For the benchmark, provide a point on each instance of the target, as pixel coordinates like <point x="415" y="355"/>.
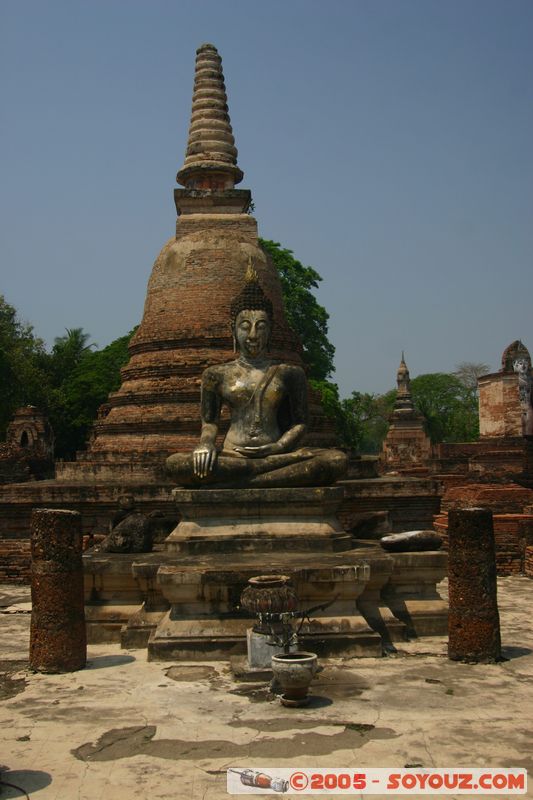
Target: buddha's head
<point x="251" y="330"/>
<point x="522" y="366"/>
<point x="252" y="317"/>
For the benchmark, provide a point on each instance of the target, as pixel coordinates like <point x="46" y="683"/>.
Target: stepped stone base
<point x="258" y="521"/>
<point x="187" y="606"/>
<point x="204" y="615"/>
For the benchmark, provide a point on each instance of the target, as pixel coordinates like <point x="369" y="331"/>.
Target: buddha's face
<point x="521" y="366"/>
<point x="252" y="332"/>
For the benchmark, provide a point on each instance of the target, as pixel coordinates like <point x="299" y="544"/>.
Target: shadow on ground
<point x="22" y="782"/>
<point x="103" y="662"/>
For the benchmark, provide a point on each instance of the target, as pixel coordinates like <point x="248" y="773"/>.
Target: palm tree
<point x="68" y="351"/>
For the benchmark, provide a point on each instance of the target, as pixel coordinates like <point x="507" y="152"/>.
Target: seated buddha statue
<point x="267" y="402"/>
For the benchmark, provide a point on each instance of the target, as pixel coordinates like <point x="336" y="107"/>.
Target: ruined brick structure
<point x="500" y="413"/>
<point x="473" y="620"/>
<point x="495" y="472"/>
<point x="407" y="448"/>
<point x="28" y="452"/>
<point x="512" y="519"/>
<point x="30" y="430"/>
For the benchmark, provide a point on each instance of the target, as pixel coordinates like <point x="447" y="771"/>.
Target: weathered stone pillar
<point x="473" y="621"/>
<point x="57" y="638"/>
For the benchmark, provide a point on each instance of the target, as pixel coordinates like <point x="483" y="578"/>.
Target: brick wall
<point x="499" y="405"/>
<point x="412" y="503"/>
<point x="513" y="535"/>
<point x="14" y="561"/>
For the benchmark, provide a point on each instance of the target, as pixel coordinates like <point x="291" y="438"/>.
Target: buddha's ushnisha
<point x="268" y="413"/>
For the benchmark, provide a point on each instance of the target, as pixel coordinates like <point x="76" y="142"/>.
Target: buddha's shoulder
<point x="292" y="372"/>
<point x="212" y="376"/>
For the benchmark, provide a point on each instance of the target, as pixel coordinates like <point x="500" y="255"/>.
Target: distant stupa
<point x="407" y="447"/>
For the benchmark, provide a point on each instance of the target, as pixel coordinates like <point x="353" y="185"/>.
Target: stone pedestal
<point x="411" y="592"/>
<point x="227" y="536"/>
<point x="260" y="649"/>
<point x="258" y="521"/>
<point x="188" y="606"/>
<point x="374" y="608"/>
<point x="122" y="602"/>
<point x="205" y="620"/>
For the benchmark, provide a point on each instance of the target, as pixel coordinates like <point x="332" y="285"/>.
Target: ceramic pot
<point x="294" y="672"/>
<point x="269" y="594"/>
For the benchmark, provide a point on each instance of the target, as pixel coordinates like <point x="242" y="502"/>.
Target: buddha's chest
<point x="253" y="388"/>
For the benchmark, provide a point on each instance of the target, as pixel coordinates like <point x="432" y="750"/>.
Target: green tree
<point x="361" y="420"/>
<point x="76" y="401"/>
<point x="305" y="315"/>
<point x="448" y="406"/>
<point x="67" y="352"/>
<point x="23" y="377"/>
<point x="367" y="420"/>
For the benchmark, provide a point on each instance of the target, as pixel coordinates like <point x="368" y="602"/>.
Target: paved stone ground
<point x="125" y="728"/>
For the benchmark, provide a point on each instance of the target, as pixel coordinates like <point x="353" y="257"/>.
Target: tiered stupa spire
<point x="404" y="401"/>
<point x="211" y="157"/>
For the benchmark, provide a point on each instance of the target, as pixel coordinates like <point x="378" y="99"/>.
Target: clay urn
<point x="294" y="673"/>
<point x="269" y="594"/>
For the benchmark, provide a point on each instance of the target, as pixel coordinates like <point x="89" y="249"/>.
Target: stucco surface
<point x="125" y="728"/>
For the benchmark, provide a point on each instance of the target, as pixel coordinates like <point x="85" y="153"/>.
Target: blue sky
<point x="388" y="143"/>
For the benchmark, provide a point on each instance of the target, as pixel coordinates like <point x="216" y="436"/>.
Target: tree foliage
<point x="69" y="383"/>
<point x="361" y="420"/>
<point x="469" y="371"/>
<point x="86" y="384"/>
<point x="67" y="352"/>
<point x="449" y="407"/>
<point x="368" y="419"/>
<point x="22" y="365"/>
<point x="305" y="315"/>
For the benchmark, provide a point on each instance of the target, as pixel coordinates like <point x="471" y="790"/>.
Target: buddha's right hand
<point x="204" y="459"/>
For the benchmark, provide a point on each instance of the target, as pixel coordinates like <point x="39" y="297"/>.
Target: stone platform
<point x="187" y="607"/>
<point x="182" y="601"/>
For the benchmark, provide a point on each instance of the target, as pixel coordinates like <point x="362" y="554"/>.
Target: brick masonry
<point x="14" y="560"/>
<point x="513" y="534"/>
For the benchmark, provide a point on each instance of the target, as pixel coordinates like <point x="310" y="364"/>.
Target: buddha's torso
<point x="253" y="395"/>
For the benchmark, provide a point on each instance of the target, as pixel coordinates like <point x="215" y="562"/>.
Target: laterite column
<point x="57" y="639"/>
<point x="473" y="621"/>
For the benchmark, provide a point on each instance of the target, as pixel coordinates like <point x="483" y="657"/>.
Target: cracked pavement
<point x="124" y="727"/>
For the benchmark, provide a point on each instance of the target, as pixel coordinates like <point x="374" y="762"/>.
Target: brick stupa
<point x="406" y="448"/>
<point x="186" y="321"/>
